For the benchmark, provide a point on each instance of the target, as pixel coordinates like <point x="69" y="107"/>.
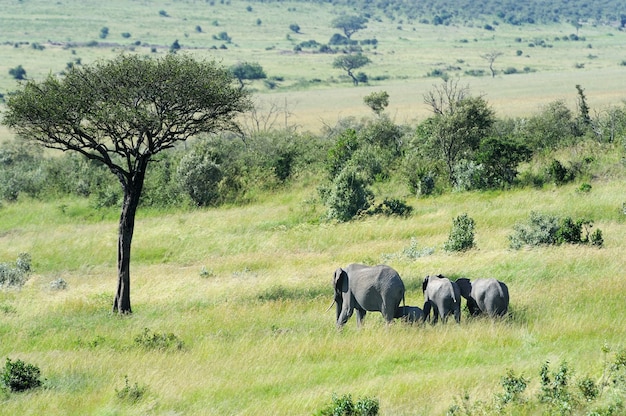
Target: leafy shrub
<point x="540" y="229"/>
<point x="347" y="196"/>
<point x="392" y="207"/>
<point x="15" y="275"/>
<point x="461" y="236"/>
<point x="559" y="173"/>
<point x="131" y="394"/>
<point x="499" y="158"/>
<point x="555" y="389"/>
<point x="345" y="406"/>
<point x="514" y="386"/>
<point x="158" y="341"/>
<point x="338" y="155"/>
<point x="468" y="175"/>
<point x="19" y="376"/>
<point x="544" y="229"/>
<point x="596" y="238"/>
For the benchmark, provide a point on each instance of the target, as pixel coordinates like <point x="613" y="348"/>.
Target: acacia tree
<point x="349" y="24"/>
<point x="491" y="58"/>
<point x="121" y="113"/>
<point x="351" y="62"/>
<point x="455" y="132"/>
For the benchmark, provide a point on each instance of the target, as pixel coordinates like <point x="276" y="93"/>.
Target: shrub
<point x="555" y="389"/>
<point x="158" y="341"/>
<point x="347" y="196"/>
<point x="131" y="394"/>
<point x="392" y="207"/>
<point x="19" y="376"/>
<point x="540" y="229"/>
<point x="544" y="229"/>
<point x="345" y="406"/>
<point x="15" y="275"/>
<point x="18" y="72"/>
<point x="461" y="236"/>
<point x="514" y="387"/>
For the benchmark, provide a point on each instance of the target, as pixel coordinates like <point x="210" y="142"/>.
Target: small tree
<point x="491" y="57"/>
<point x="247" y="71"/>
<point x="349" y="24"/>
<point x="295" y="28"/>
<point x="377" y="101"/>
<point x="123" y="112"/>
<point x="18" y="72"/>
<point x="351" y="62"/>
<point x="456" y="134"/>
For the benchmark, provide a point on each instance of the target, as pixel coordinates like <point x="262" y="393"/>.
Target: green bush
<point x="345" y="406"/>
<point x="347" y="196"/>
<point x="544" y="229"/>
<point x="15" y="275"/>
<point x="131" y="393"/>
<point x="391" y="207"/>
<point x="158" y="341"/>
<point x="461" y="236"/>
<point x="20" y="376"/>
<point x="540" y="229"/>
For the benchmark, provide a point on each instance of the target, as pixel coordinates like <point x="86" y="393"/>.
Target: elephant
<point x="486" y="295"/>
<point x="410" y="314"/>
<point x="367" y="288"/>
<point x="443" y="296"/>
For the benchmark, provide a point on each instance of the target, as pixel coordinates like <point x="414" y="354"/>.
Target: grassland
<point x="246" y="287"/>
<point x="314" y="91"/>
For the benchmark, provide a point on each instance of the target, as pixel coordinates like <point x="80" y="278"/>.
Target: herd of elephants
<point x="380" y="288"/>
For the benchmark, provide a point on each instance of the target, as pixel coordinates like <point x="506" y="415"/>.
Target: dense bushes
<point x="463" y="147"/>
<point x="544" y="229"/>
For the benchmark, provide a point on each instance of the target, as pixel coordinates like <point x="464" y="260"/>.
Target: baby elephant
<point x="443" y="297"/>
<point x="488" y="296"/>
<point x="410" y="314"/>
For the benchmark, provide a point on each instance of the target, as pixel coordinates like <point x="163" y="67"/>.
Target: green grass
<point x="255" y="332"/>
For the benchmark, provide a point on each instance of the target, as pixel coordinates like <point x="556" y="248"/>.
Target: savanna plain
<point x="244" y="289"/>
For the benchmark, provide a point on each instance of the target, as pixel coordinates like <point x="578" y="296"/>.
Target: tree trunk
<point x="132" y="193"/>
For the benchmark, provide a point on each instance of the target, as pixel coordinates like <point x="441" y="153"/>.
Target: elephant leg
<point x="435" y="314"/>
<point x="343" y="318"/>
<point x="457" y="315"/>
<point x="360" y="314"/>
<point x="426" y="309"/>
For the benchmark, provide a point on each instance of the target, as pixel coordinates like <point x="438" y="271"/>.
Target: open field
<point x="314" y="92"/>
<point x="246" y="289"/>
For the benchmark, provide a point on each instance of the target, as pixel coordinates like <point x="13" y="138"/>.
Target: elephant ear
<point x="425" y="283"/>
<point x="465" y="286"/>
<point x="340" y="280"/>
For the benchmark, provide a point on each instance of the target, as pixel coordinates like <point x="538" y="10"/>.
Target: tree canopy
<point x="121" y="113"/>
<point x="349" y="24"/>
<point x="351" y="62"/>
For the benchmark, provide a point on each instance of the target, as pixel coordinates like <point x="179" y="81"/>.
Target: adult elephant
<point x="367" y="288"/>
<point x="486" y="295"/>
<point x="442" y="296"/>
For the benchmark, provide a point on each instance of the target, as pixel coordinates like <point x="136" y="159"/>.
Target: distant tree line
<point x="445" y="12"/>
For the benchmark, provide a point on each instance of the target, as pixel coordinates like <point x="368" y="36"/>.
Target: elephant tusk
<point x="331" y="305"/>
